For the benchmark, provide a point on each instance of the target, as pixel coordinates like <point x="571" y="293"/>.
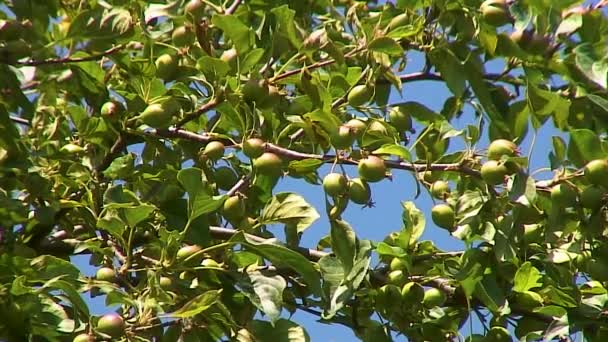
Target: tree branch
<point x="20" y="121"/>
<point x="65" y="60"/>
<point x="233" y="7"/>
<point x="202" y="110"/>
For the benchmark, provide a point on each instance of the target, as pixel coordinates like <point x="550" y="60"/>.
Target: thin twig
<point x="242" y="183"/>
<point x="20" y="121"/>
<point x="233" y="7"/>
<point x="202" y="110"/>
<point x="65" y="60"/>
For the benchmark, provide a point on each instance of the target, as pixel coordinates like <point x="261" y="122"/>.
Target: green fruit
<point x="357" y="127"/>
<point x="372" y="169"/>
<point x="397" y="277"/>
<point x="493" y="172"/>
<point x="592" y="198"/>
<point x="343" y="138"/>
<point x="268" y="164"/>
<point x="501" y="147"/>
<point x="398" y="264"/>
<point x="359" y="191"/>
<point x="111" y="324"/>
<point x="495" y="12"/>
<point x="335" y="184"/>
<point x="596" y="171"/>
<point x="412" y="293"/>
<point x="360" y="95"/>
<point x="229" y="56"/>
<point x="105" y="274"/>
<point x="440" y="189"/>
<point x="563" y="195"/>
<point x="111" y="109"/>
<point x="225" y="178"/>
<point x="443" y="216"/>
<point x="186" y="252"/>
<point x="71" y="149"/>
<point x="433" y="297"/>
<point x="400" y="119"/>
<point x="210" y="263"/>
<point x="498" y="334"/>
<point x="166" y="66"/>
<point x="246" y="223"/>
<point x="253" y="147"/>
<point x="538" y="45"/>
<point x="528" y="299"/>
<point x="156" y="116"/>
<point x="165" y="283"/>
<point x="255" y="90"/>
<point x="182" y="36"/>
<point x="234" y="209"/>
<point x="430" y="176"/>
<point x="195" y="8"/>
<point x="214" y="150"/>
<point x="84" y="338"/>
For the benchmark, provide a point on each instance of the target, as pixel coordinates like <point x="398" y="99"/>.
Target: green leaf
<point x="196" y="305"/>
<point x="289" y="208"/>
<point x="73" y="295"/>
<point x="413" y="223"/>
<point x="584" y="146"/>
<point x="268" y="293"/>
<point x="285" y="18"/>
<point x="241" y="35"/>
<point x="595" y="67"/>
<point x="138" y="214"/>
<point x="394" y="149"/>
<point x="204" y="205"/>
<point x="332" y="272"/>
<point x="212" y="67"/>
<point x="526" y="278"/>
<point x="305" y="165"/>
<point x="450" y="68"/>
<point x="386" y="45"/>
<point x="344" y="243"/>
<point x="192" y="180"/>
<point x="282" y="331"/>
<point x="121" y="167"/>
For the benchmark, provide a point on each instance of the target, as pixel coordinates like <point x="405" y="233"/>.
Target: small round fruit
<point x="214" y="150"/>
<point x="156" y="116"/>
<point x="183" y="36"/>
<point x="397" y="277"/>
<point x="165" y="283"/>
<point x="343" y="138"/>
<point x="440" y="189"/>
<point x="502" y="147"/>
<point x="208" y="262"/>
<point x="400" y="119"/>
<point x="166" y="66"/>
<point x="412" y="293"/>
<point x="592" y="198"/>
<point x="234" y="208"/>
<point x="84" y="338"/>
<point x="186" y="252"/>
<point x="498" y="334"/>
<point x="359" y="95"/>
<point x="359" y="191"/>
<point x="430" y="176"/>
<point x="399" y="20"/>
<point x="397" y="264"/>
<point x="563" y="195"/>
<point x="229" y="56"/>
<point x="495" y="12"/>
<point x="335" y="184"/>
<point x="493" y="172"/>
<point x="195" y="8"/>
<point x="268" y="164"/>
<point x="225" y="178"/>
<point x="106" y="274"/>
<point x="372" y="169"/>
<point x="111" y="109"/>
<point x="111" y="324"/>
<point x="433" y="297"/>
<point x="255" y="90"/>
<point x="253" y="147"/>
<point x="596" y="171"/>
<point x="443" y="216"/>
<point x="357" y="127"/>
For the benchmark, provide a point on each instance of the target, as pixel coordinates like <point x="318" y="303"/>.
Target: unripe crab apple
<point x="183" y="36"/>
<point x="563" y="195"/>
<point x="165" y="283"/>
<point x="84" y="338"/>
<point x="255" y="90"/>
<point x="268" y="164"/>
<point x="343" y="138"/>
<point x="359" y="95"/>
<point x="495" y="12"/>
<point x="253" y="147"/>
<point x="105" y="274"/>
<point x="234" y="209"/>
<point x="335" y="184"/>
<point x="443" y="216"/>
<point x="214" y="150"/>
<point x="359" y="191"/>
<point x="592" y="198"/>
<point x="493" y="172"/>
<point x="502" y="147"/>
<point x="111" y="109"/>
<point x="111" y="324"/>
<point x="433" y="297"/>
<point x="440" y="189"/>
<point x="596" y="171"/>
<point x="357" y="127"/>
<point x="187" y="251"/>
<point x="166" y="66"/>
<point x="195" y="8"/>
<point x="400" y="119"/>
<point x="372" y="169"/>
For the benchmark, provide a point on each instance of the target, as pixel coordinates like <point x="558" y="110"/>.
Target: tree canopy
<point x="151" y="136"/>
